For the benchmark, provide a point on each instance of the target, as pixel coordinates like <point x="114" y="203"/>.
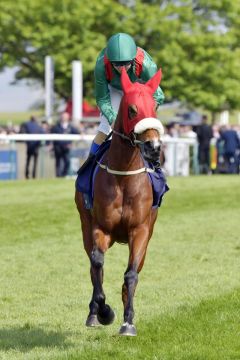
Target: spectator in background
<point x="45" y="126"/>
<point x="204" y="135"/>
<point x="172" y="129"/>
<point x="186" y="131"/>
<point x="231" y="146"/>
<point x="32" y="127"/>
<point x="62" y="148"/>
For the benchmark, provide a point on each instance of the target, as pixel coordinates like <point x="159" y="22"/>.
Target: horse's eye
<point x="132" y="111"/>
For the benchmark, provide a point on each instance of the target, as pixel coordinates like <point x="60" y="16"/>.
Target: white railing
<point x="78" y="137"/>
<point x="45" y="137"/>
<point x="178" y="157"/>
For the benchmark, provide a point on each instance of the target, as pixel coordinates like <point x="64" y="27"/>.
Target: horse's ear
<point x="154" y="82"/>
<point x="125" y="81"/>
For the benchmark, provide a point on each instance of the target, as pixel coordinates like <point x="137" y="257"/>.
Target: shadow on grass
<point x="26" y="338"/>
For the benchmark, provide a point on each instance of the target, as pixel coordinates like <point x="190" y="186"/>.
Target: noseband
<point x="147" y="150"/>
<point x="132" y="139"/>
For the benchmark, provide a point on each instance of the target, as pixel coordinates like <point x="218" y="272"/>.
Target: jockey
<point x="121" y="51"/>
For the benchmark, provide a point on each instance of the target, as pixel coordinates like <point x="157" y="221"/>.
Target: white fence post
<point x="49" y="88"/>
<point x="77" y="91"/>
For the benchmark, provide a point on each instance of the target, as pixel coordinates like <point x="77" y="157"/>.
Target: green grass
<point x="187" y="302"/>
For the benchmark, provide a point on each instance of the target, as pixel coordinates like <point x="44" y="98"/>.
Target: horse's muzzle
<point x="150" y="150"/>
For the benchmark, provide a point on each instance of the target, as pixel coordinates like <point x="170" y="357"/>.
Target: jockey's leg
<point x="104" y="127"/>
<point x="98" y="140"/>
<point x="103" y="130"/>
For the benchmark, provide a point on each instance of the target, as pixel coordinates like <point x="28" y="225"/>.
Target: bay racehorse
<point x="122" y="209"/>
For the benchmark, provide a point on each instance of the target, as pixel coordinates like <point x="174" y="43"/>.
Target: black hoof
<point x="106" y="315"/>
<point x="92" y="321"/>
<point x="128" y="330"/>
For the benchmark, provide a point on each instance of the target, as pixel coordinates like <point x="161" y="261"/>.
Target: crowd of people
<point x="218" y="146"/>
<point x="60" y="148"/>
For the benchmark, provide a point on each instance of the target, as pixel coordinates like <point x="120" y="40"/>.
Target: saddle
<point x="86" y="175"/>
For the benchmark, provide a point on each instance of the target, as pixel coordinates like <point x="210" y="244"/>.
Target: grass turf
<point x="187" y="302"/>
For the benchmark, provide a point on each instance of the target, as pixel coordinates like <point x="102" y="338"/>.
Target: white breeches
<point x="115" y="96"/>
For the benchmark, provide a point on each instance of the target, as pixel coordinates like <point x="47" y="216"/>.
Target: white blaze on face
<point x="155" y="143"/>
<point x="149" y="123"/>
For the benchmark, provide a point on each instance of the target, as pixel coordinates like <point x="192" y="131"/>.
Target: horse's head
<point x="138" y="109"/>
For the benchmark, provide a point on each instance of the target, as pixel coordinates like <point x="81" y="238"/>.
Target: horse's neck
<point x="122" y="154"/>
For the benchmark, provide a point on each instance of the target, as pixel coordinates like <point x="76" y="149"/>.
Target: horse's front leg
<point x="105" y="314"/>
<point x="86" y="221"/>
<point x="137" y="251"/>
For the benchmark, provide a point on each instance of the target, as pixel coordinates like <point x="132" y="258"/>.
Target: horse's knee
<point x="97" y="258"/>
<point x="131" y="278"/>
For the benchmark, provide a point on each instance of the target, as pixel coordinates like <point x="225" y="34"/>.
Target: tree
<point x="65" y="29"/>
<point x="197" y="45"/>
<point x="214" y="48"/>
<point x="195" y="42"/>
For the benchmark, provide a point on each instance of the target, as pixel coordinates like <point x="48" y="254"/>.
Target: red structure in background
<point x="88" y="110"/>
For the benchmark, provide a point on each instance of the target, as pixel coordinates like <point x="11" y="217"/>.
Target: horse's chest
<point x="124" y="204"/>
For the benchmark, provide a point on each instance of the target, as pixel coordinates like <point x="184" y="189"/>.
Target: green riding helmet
<point x="121" y="48"/>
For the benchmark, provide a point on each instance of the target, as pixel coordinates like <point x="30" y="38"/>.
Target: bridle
<point x="134" y="142"/>
<point x="132" y="138"/>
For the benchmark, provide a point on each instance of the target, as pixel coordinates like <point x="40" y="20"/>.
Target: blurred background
<point x="196" y="43"/>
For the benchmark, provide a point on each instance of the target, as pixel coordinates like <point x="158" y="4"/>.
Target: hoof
<point x="92" y="321"/>
<point x="106" y="316"/>
<point x="128" y="330"/>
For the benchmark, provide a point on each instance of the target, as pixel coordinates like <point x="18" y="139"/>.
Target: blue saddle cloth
<point x="85" y="179"/>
